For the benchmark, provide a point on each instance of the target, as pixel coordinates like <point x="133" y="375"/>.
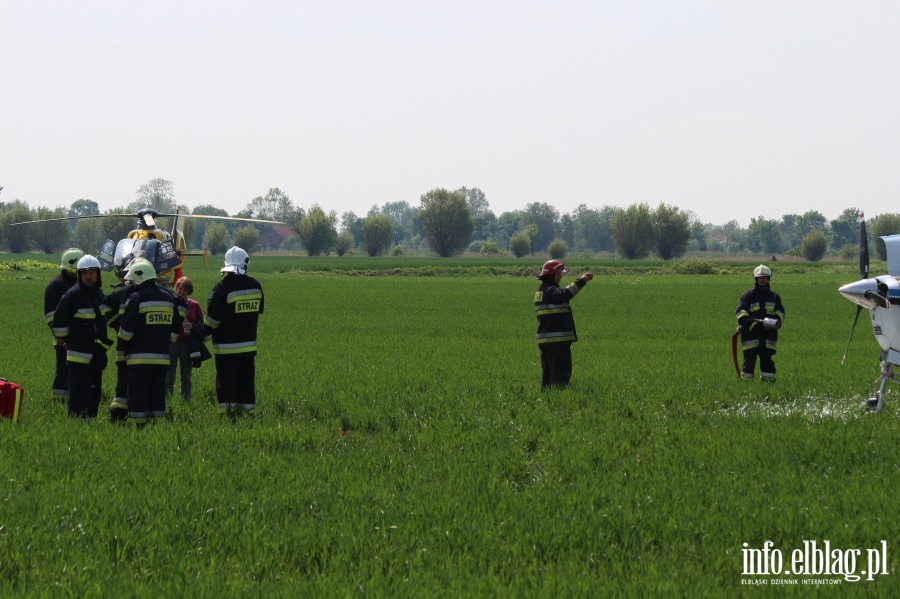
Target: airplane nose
<point x="861" y="292"/>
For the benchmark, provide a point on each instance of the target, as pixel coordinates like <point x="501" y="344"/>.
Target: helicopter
<point x="881" y="296"/>
<point x="164" y="249"/>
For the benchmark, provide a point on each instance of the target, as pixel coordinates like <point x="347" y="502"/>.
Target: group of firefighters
<point x="154" y="329"/>
<point x="759" y="314"/>
<point x="148" y="319"/>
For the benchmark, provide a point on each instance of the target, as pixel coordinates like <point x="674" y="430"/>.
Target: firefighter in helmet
<point x="760" y="314"/>
<point x="556" y="326"/>
<point x="115" y="304"/>
<point x="149" y="324"/>
<point x="54" y="291"/>
<point x="78" y="321"/>
<point x="232" y="315"/>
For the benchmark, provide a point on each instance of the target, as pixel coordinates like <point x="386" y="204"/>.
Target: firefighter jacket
<point x="54" y="292"/>
<point x="551" y="304"/>
<point x="232" y="313"/>
<point x="759" y="303"/>
<point x="149" y="324"/>
<point x="115" y="305"/>
<point x="76" y="321"/>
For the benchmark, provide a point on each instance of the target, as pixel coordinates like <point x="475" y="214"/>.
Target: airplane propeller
<point x="863" y="275"/>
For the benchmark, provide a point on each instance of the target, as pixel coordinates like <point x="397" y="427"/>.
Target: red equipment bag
<point x="11" y="396"/>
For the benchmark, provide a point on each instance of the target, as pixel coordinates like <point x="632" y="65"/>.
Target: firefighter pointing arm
<point x="556" y="325"/>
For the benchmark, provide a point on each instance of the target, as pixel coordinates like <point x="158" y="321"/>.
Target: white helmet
<point x="88" y="262"/>
<point x="762" y="271"/>
<point x="236" y="261"/>
<point x="140" y="271"/>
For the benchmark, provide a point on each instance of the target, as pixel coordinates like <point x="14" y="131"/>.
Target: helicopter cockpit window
<point x="124" y="253"/>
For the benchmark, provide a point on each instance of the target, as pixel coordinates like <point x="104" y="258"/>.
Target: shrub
<point x="814" y="245"/>
<point x="848" y="251"/>
<point x="520" y="244"/>
<point x="694" y="267"/>
<point x="557" y="249"/>
<point x="490" y="247"/>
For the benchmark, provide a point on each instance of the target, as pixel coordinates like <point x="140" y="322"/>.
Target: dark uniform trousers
<point x="85" y="388"/>
<point x="556" y="364"/>
<point x="146" y="392"/>
<point x="236" y="381"/>
<point x="61" y="375"/>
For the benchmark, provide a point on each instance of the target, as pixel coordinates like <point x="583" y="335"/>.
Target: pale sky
<point x="730" y="109"/>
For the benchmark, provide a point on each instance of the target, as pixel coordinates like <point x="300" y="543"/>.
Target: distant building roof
<point x="275" y="235"/>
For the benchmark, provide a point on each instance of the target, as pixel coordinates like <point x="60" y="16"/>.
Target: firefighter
<point x="56" y="288"/>
<point x="760" y="314"/>
<point x="78" y="322"/>
<point x="149" y="324"/>
<point x="556" y="326"/>
<point x="232" y="314"/>
<point x="115" y="304"/>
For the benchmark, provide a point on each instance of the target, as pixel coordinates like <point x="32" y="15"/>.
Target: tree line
<point x="447" y="223"/>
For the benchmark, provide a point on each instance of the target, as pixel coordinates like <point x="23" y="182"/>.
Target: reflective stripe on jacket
<point x="232" y="314"/>
<point x="551" y="305"/>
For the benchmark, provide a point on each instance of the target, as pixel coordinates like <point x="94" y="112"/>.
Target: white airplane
<point x="881" y="296"/>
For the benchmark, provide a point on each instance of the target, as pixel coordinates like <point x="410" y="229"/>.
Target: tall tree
<point x="200" y="224"/>
<point x="87" y="235"/>
<point x="593" y="228"/>
<point x="812" y="220"/>
<point x="247" y="238"/>
<point x="404" y="219"/>
<point x="699" y="234"/>
<point x="51" y="236"/>
<point x="216" y="238"/>
<point x="671" y="231"/>
<point x="352" y="224"/>
<point x="317" y="230"/>
<point x="482" y="217"/>
<point x="505" y="227"/>
<point x="763" y="235"/>
<point x="845" y="228"/>
<point x="84" y="207"/>
<point x="475" y="200"/>
<point x="446" y="220"/>
<point x="16" y="239"/>
<point x="546" y="217"/>
<point x="158" y="194"/>
<point x="275" y="205"/>
<point x="377" y="234"/>
<point x="632" y="230"/>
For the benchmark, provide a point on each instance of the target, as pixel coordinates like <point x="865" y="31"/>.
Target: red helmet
<point x="551" y="267"/>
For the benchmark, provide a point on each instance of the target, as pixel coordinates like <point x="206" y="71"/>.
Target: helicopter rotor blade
<point x="50" y="220"/>
<point x="847" y="349"/>
<point x="249" y="220"/>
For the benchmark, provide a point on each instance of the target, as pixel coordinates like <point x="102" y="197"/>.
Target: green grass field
<point x="457" y="476"/>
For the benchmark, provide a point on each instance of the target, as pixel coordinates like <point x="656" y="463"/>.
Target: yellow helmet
<point x="70" y="259"/>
